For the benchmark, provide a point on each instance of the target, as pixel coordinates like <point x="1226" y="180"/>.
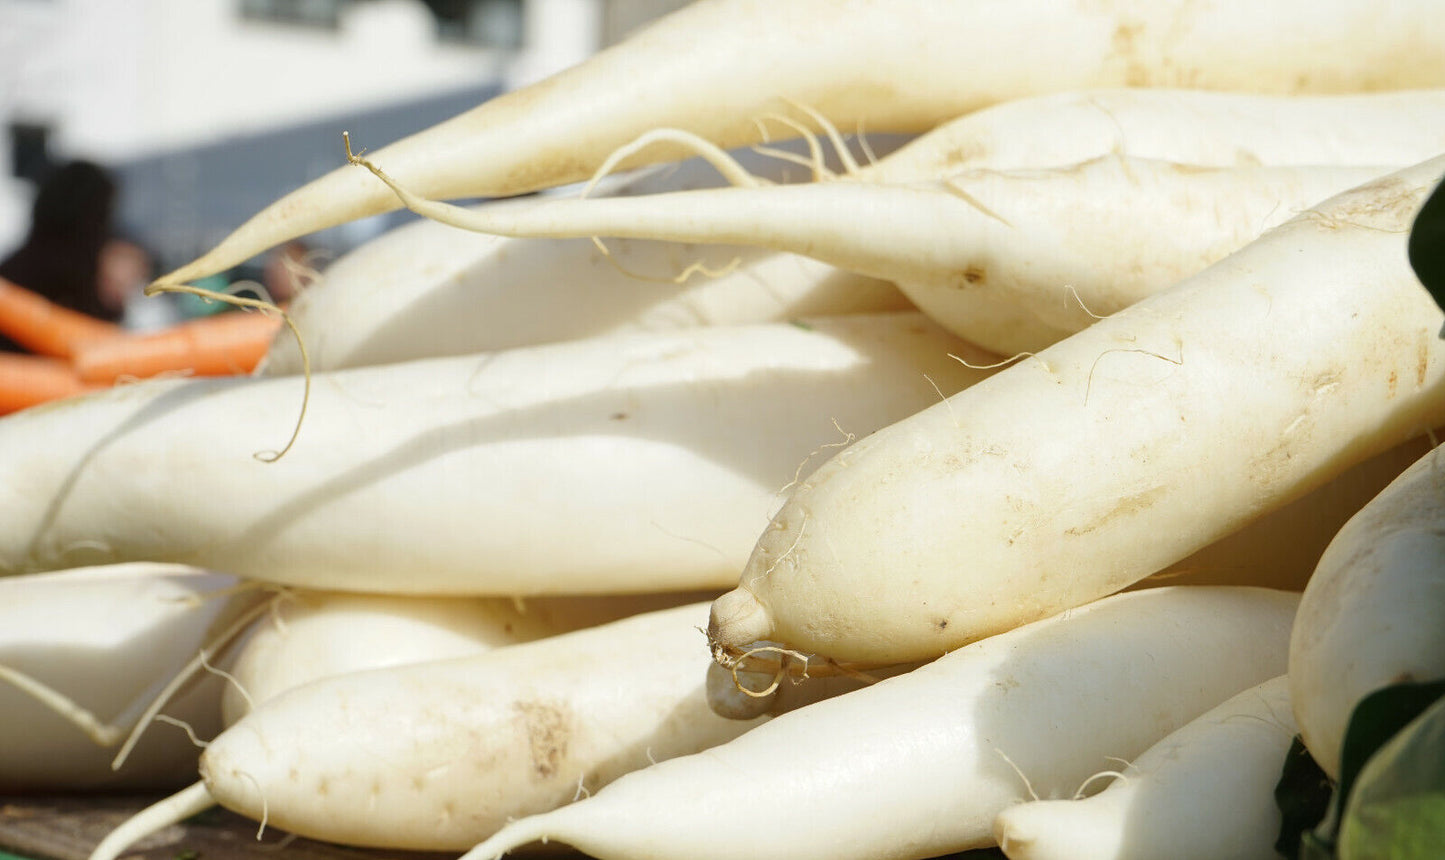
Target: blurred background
<point x="204" y="111"/>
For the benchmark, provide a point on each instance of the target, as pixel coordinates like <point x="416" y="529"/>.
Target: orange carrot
<point x="222" y="345"/>
<point x="41" y="326"/>
<point x="28" y="380"/>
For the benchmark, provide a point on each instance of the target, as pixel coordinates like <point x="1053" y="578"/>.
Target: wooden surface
<point x="68" y="828"/>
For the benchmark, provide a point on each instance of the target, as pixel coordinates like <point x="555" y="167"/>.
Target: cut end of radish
<point x="737" y="620"/>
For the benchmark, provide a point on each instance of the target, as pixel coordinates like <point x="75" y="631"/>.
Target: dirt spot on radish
<point x="548" y="726"/>
<point x="975" y="274"/>
<point x="1123" y="508"/>
<point x="1386" y="205"/>
<point x="1124" y="44"/>
<point x="965" y="154"/>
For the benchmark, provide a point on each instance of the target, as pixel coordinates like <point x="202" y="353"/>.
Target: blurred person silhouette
<point x="126" y="267"/>
<point x="70" y="223"/>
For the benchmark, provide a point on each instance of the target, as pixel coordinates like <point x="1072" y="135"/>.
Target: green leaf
<point x="1376" y="719"/>
<point x="1405" y="828"/>
<point x="1427" y="246"/>
<point x="1397" y="806"/>
<point x="1303" y="797"/>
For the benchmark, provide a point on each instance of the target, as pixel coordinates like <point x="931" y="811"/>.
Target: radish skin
<point x="1012" y="261"/>
<point x="1192" y="412"/>
<point x="1200" y="127"/>
<point x="428" y="290"/>
<point x="714" y="67"/>
<point x="1280" y="549"/>
<point x="918" y="765"/>
<point x="1206" y="791"/>
<point x="425" y="289"/>
<point x="107" y="638"/>
<point x="636" y="463"/>
<point x="318" y="634"/>
<point x="1370" y="616"/>
<point x="452" y="749"/>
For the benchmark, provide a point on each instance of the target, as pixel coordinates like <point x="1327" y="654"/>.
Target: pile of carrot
<point x="72" y="353"/>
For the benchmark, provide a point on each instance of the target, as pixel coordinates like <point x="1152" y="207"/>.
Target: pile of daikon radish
<point x="1057" y="406"/>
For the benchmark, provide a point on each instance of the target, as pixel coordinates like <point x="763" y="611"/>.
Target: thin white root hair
<point x="303" y="273"/>
<point x="230" y="679"/>
<point x="1089" y="384"/>
<point x="807" y="665"/>
<point x="815" y="160"/>
<point x="1274" y="722"/>
<point x="679" y="279"/>
<point x="997" y="364"/>
<point x="1119" y="147"/>
<point x="840" y="147"/>
<point x="191" y="667"/>
<point x="946" y="401"/>
<point x="778" y="674"/>
<point x="230" y="591"/>
<point x="1010" y="762"/>
<point x="1080" y="300"/>
<point x="185" y="727"/>
<point x="725" y="164"/>
<point x="819" y="174"/>
<point x="1084" y="786"/>
<point x="789" y="551"/>
<point x="581" y="793"/>
<point x="191" y="800"/>
<point x="862" y="137"/>
<point x="951" y="186"/>
<point x="267" y="307"/>
<point x="103" y="734"/>
<point x="848" y="439"/>
<point x="265" y="806"/>
<point x="277" y="619"/>
<point x="701" y="268"/>
<point x="235" y="288"/>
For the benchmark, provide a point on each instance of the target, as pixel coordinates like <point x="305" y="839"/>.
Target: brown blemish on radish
<point x="1123" y="508"/>
<point x="548" y="726"/>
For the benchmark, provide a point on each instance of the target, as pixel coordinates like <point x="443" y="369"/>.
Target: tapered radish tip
<point x="738" y="619"/>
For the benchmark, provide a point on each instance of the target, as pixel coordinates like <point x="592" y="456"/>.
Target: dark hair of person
<point x="70" y="221"/>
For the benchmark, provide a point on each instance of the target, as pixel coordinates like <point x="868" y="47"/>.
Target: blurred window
<point x="486" y="23"/>
<point x="313" y="13"/>
<point x="29" y="150"/>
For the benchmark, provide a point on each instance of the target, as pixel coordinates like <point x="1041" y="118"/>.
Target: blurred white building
<point x="208" y="109"/>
